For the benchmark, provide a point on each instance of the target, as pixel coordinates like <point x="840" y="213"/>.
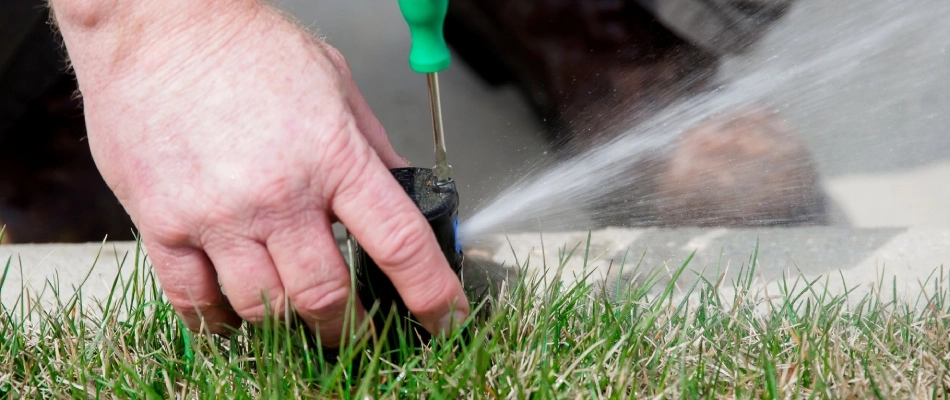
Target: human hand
<point x="234" y="140"/>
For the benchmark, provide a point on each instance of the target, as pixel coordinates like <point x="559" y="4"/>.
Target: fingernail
<point x="452" y="321"/>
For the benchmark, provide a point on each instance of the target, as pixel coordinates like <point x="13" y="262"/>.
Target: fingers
<point x="395" y="234"/>
<point x="191" y="286"/>
<point x="315" y="276"/>
<point x="248" y="276"/>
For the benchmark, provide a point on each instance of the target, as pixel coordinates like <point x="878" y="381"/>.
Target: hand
<point x="234" y="140"/>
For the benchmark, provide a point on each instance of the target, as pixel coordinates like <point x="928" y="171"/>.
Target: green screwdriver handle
<point x="429" y="53"/>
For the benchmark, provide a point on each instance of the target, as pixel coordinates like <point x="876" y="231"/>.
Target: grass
<point x="561" y="341"/>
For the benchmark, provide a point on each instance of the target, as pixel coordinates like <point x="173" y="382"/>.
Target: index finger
<point x="392" y="230"/>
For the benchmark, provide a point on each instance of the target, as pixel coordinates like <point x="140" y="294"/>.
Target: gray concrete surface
<point x="902" y="259"/>
<point x="888" y="118"/>
<point x="887" y="264"/>
<point x="39" y="271"/>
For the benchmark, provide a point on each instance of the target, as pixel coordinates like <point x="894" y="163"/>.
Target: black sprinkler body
<point x="438" y="202"/>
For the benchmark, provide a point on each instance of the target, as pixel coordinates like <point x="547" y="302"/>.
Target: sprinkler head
<point x="438" y="202"/>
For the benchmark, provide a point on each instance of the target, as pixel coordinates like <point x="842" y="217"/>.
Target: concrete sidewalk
<point x="900" y="258"/>
<point x="38" y="269"/>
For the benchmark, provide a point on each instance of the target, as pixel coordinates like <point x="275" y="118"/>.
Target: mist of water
<point x="788" y="81"/>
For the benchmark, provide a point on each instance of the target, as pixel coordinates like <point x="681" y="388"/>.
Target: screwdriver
<point x="429" y="55"/>
<point x="431" y="189"/>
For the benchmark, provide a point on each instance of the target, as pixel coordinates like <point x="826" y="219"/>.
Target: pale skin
<point x="234" y="140"/>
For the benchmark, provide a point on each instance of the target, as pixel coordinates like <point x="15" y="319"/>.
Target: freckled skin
<point x="234" y="140"/>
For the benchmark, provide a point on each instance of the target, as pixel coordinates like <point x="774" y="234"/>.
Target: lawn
<point x="645" y="340"/>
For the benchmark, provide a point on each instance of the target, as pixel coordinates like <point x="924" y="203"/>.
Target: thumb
<point x="372" y="130"/>
<point x="366" y="121"/>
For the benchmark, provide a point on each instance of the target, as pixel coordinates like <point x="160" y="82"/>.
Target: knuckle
<point x="342" y="138"/>
<point x="343" y="165"/>
<point x="404" y="248"/>
<point x="164" y="228"/>
<point x="338" y="61"/>
<point x="220" y="214"/>
<point x="434" y="298"/>
<point x="180" y="303"/>
<point x="254" y="314"/>
<point x="173" y="223"/>
<point x="256" y="310"/>
<point x="190" y="304"/>
<point x="280" y="200"/>
<point x="322" y="301"/>
<point x="274" y="193"/>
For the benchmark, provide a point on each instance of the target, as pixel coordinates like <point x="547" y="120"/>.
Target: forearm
<point x="104" y="38"/>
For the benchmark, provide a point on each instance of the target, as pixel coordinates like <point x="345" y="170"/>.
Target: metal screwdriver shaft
<point x="442" y="170"/>
<point x="429" y="55"/>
